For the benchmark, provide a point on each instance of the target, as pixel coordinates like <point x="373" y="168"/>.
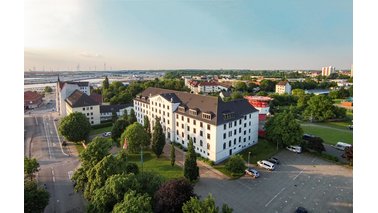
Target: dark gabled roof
<point x="111" y="108"/>
<point x="205" y="104"/>
<point x="96" y="97"/>
<point x="80" y="99"/>
<point x="31" y="96"/>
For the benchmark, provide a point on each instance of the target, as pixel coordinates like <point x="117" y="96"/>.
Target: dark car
<point x="308" y="136"/>
<point x="273" y="160"/>
<point x="300" y="210"/>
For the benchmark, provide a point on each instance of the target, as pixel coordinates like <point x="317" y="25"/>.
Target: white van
<point x="266" y="164"/>
<point x="341" y="145"/>
<point x="296" y="149"/>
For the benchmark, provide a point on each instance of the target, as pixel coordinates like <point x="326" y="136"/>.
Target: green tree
<point x="48" y="89"/>
<point x="173" y="155"/>
<point x="191" y="170"/>
<point x="149" y="182"/>
<point x="348" y="153"/>
<point x="283" y="129"/>
<point x="241" y="86"/>
<point x="205" y="206"/>
<point x="320" y="108"/>
<point x="114" y="116"/>
<point x="30" y="167"/>
<point x="75" y="127"/>
<point x="132" y="117"/>
<point x="146" y="124"/>
<point x="136" y="138"/>
<point x="134" y="203"/>
<point x="118" y="128"/>
<point x="172" y="195"/>
<point x="316" y="144"/>
<point x="235" y="164"/>
<point x="267" y="85"/>
<point x="95" y="151"/>
<point x="158" y="138"/>
<point x="297" y="92"/>
<point x="236" y="95"/>
<point x="105" y="83"/>
<point x="35" y="198"/>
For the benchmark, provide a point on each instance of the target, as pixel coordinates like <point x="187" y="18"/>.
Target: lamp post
<point x="249" y="153"/>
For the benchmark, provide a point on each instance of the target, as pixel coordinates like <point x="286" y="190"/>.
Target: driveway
<point x="300" y="180"/>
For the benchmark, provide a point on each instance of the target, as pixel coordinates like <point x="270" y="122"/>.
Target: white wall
<point x="91" y="112"/>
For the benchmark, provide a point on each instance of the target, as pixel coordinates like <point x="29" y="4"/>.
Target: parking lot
<point x="299" y="180"/>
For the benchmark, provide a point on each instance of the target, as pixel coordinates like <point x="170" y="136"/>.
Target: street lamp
<point x="249" y="153"/>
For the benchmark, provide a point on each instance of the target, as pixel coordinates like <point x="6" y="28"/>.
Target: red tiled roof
<point x="205" y="83"/>
<point x="96" y="97"/>
<point x="31" y="96"/>
<point x="282" y="83"/>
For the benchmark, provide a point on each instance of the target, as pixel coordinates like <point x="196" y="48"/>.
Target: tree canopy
<point x="134" y="203"/>
<point x="235" y="164"/>
<point x="35" y="198"/>
<point x="136" y="138"/>
<point x="191" y="170"/>
<point x="321" y="108"/>
<point x="158" y="138"/>
<point x="118" y="128"/>
<point x="283" y="129"/>
<point x="30" y="167"/>
<point x="205" y="206"/>
<point x="132" y="117"/>
<point x="48" y="89"/>
<point x="75" y="127"/>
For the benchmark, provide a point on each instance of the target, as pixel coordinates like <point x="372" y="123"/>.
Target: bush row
<point x="102" y="125"/>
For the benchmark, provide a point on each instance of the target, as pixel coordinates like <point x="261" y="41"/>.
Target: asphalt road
<point x="57" y="163"/>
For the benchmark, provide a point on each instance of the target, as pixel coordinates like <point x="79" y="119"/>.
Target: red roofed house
<point x="32" y="100"/>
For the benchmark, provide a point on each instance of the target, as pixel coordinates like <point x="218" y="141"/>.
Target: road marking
<point x="298" y="174"/>
<point x="36" y="120"/>
<point x="275" y="196"/>
<point x="47" y="138"/>
<point x="70" y="173"/>
<point x="56" y="130"/>
<point x="52" y="172"/>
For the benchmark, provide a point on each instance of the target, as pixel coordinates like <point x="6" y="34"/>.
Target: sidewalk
<point x="205" y="170"/>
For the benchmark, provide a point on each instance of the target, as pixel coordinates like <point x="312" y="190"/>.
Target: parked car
<point x="296" y="149"/>
<point x="341" y="146"/>
<point x="301" y="210"/>
<point x="308" y="136"/>
<point x="266" y="164"/>
<point x="252" y="172"/>
<point x="106" y="134"/>
<point x="273" y="160"/>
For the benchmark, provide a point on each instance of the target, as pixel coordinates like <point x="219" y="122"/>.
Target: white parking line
<point x="275" y="196"/>
<point x="298" y="175"/>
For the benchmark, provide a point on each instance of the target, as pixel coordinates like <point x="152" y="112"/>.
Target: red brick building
<point x="32" y="100"/>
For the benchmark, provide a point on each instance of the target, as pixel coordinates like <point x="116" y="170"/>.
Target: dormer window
<point x="229" y="115"/>
<point x="181" y="109"/>
<point x="193" y="112"/>
<point x="206" y="116"/>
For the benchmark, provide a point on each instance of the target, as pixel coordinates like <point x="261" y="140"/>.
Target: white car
<point x="106" y="134"/>
<point x="296" y="149"/>
<point x="266" y="165"/>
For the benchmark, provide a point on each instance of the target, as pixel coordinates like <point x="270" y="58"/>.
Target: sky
<point x="187" y="34"/>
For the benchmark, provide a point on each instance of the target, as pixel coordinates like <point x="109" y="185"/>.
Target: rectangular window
<point x="177" y="132"/>
<point x="201" y="133"/>
<point x="201" y="143"/>
<point x="245" y="132"/>
<point x="163" y="106"/>
<point x="229" y="144"/>
<point x="249" y="115"/>
<point x="235" y="141"/>
<point x="177" y="123"/>
<point x="182" y="126"/>
<point x="167" y="107"/>
<point x="83" y="108"/>
<point x="245" y="125"/>
<point x="244" y="139"/>
<point x="194" y="122"/>
<point x="168" y="114"/>
<point x="182" y="134"/>
<point x="200" y="124"/>
<point x="235" y="123"/>
<point x="188" y="128"/>
<point x="224" y="126"/>
<point x="239" y="130"/>
<point x="91" y="107"/>
<point x="239" y="139"/>
<point x="230" y="125"/>
<point x="208" y="136"/>
<point x="91" y="113"/>
<point x="194" y="140"/>
<point x="182" y="118"/>
<point x="240" y="121"/>
<point x="234" y="131"/>
<point x="188" y="120"/>
<point x="250" y="123"/>
<point x="176" y="116"/>
<point x="224" y="135"/>
<point x="229" y="133"/>
<point x="194" y="130"/>
<point x="168" y="121"/>
<point x="249" y="131"/>
<point x="188" y="137"/>
<point x="208" y="127"/>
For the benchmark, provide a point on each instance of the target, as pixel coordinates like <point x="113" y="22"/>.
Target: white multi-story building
<point x="106" y="111"/>
<point x="218" y="129"/>
<point x="283" y="87"/>
<point x="81" y="102"/>
<point x="64" y="90"/>
<point x="326" y="71"/>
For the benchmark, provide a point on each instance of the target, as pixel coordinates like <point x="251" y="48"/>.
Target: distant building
<point x="211" y="86"/>
<point x="79" y="101"/>
<point x="317" y="91"/>
<point x="225" y="94"/>
<point x="283" y="87"/>
<point x="326" y="71"/>
<point x="218" y="129"/>
<point x="106" y="111"/>
<point x="96" y="97"/>
<point x="261" y="103"/>
<point x="32" y="100"/>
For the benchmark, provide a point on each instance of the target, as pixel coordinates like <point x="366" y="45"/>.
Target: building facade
<point x="326" y="71"/>
<point x="218" y="129"/>
<point x="81" y="102"/>
<point x="64" y="90"/>
<point x="106" y="111"/>
<point x="283" y="87"/>
<point x="32" y="99"/>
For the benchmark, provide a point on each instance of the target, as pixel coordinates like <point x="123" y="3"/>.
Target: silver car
<point x="253" y="172"/>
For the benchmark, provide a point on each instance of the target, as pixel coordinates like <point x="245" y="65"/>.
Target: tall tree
<point x="75" y="127"/>
<point x="320" y="108"/>
<point x="172" y="195"/>
<point x="35" y="198"/>
<point x="118" y="128"/>
<point x="173" y="155"/>
<point x="235" y="164"/>
<point x="136" y="138"/>
<point x="205" y="206"/>
<point x="146" y="124"/>
<point x="191" y="170"/>
<point x="297" y="92"/>
<point x="105" y="83"/>
<point x="30" y="167"/>
<point x="134" y="203"/>
<point x="283" y="129"/>
<point x="158" y="138"/>
<point x="114" y="116"/>
<point x="132" y="117"/>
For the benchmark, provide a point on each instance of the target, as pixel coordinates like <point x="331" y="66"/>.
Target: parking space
<point x="300" y="180"/>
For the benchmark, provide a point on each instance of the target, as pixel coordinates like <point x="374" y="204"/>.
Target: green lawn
<point x="262" y="150"/>
<point x="160" y="165"/>
<point x="79" y="147"/>
<point x="101" y="130"/>
<point x="330" y="136"/>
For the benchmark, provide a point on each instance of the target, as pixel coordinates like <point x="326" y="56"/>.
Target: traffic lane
<point x="294" y="183"/>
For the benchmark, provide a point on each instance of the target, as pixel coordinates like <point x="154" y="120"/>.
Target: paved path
<point x="205" y="170"/>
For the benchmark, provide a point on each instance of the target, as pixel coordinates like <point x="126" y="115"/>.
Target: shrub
<point x="102" y="125"/>
<point x="235" y="164"/>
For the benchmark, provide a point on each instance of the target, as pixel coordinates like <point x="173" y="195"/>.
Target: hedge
<point x="102" y="125"/>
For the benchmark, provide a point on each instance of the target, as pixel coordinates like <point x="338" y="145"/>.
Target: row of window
<point x="195" y="142"/>
<point x="230" y="143"/>
<point x="87" y="108"/>
<point x="235" y="132"/>
<point x="236" y="123"/>
<point x="156" y="104"/>
<point x="193" y="120"/>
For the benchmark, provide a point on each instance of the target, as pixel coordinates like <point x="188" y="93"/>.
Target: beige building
<point x="81" y="102"/>
<point x="326" y="71"/>
<point x="283" y="87"/>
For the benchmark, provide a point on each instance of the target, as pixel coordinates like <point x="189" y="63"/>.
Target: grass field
<point x="329" y="135"/>
<point x="262" y="150"/>
<point x="101" y="130"/>
<point x="160" y="165"/>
